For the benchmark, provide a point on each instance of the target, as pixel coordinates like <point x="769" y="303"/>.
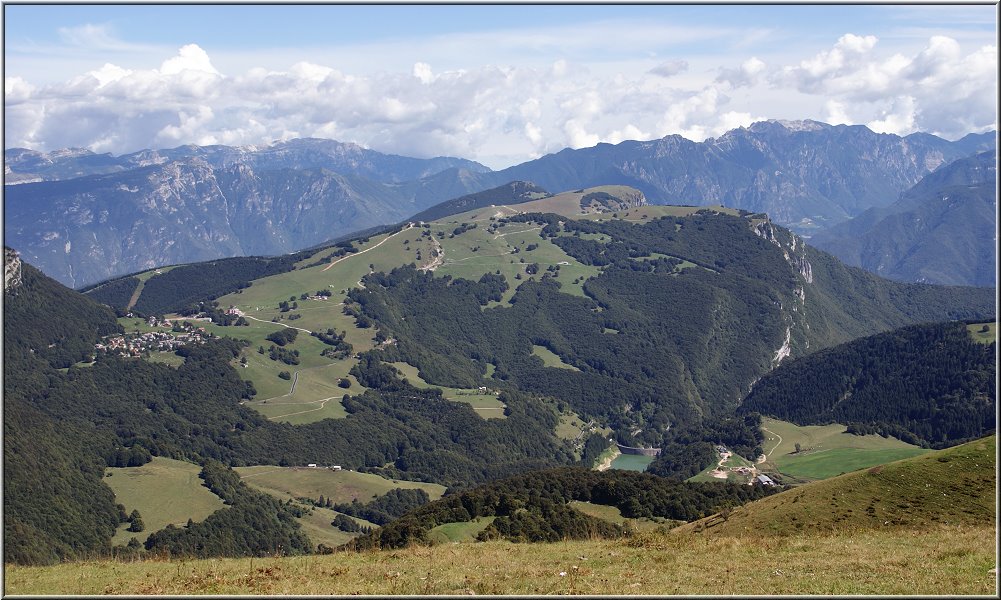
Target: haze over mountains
<point x="83" y="217"/>
<point x="942" y="230"/>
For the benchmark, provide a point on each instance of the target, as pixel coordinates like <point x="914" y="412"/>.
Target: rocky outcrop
<point x="11" y="270"/>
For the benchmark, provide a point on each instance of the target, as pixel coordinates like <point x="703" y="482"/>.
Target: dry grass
<point x="949" y="559"/>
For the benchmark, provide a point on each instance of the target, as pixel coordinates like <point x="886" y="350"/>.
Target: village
<point x="134" y="345"/>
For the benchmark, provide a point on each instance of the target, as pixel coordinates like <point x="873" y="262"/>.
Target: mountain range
<point x="942" y="230"/>
<point x="84" y="217"/>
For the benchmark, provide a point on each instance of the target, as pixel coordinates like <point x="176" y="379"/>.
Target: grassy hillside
<point x="984" y="333"/>
<point x="954" y="487"/>
<point x="339" y="486"/>
<point x="825" y="450"/>
<point x="883" y="561"/>
<point x="163" y="491"/>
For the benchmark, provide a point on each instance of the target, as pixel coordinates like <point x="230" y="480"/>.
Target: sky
<point x="499" y="84"/>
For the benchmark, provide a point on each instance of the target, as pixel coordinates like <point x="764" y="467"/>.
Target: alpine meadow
<point x="500" y="299"/>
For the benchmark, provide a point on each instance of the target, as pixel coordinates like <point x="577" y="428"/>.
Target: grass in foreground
<point x="890" y="561"/>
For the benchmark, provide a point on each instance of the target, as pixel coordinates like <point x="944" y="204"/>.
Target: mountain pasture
<point x="485" y="404"/>
<point x="550" y="358"/>
<point x="465" y="531"/>
<point x="339" y="486"/>
<point x="989" y="336"/>
<point x="955" y="486"/>
<point x="164" y="491"/>
<point x="825" y="450"/>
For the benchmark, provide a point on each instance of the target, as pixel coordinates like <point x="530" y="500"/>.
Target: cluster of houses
<point x="750" y="472"/>
<point x="135" y="345"/>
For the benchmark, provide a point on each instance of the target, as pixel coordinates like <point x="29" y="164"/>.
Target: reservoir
<point x="631" y="462"/>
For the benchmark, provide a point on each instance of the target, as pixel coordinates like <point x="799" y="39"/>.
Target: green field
<point x="339" y="486"/>
<point x="164" y="491"/>
<point x="550" y="358"/>
<point x="632" y="462"/>
<point x="316" y="395"/>
<point x="984" y="337"/>
<point x="460" y="532"/>
<point x="485" y="404"/>
<point x="569" y="426"/>
<point x="316" y="525"/>
<point x="166" y="358"/>
<point x="472" y="254"/>
<point x="612" y="514"/>
<point x="260" y="304"/>
<point x="825" y="450"/>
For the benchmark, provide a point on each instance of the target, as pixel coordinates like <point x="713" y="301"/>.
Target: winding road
<point x="769" y="455"/>
<point x="409" y="226"/>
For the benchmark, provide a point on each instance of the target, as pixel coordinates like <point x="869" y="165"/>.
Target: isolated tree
<point x="798" y="448"/>
<point x="135" y="522"/>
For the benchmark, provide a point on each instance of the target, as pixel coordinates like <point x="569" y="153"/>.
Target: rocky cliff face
<point x="84" y="230"/>
<point x="11" y="270"/>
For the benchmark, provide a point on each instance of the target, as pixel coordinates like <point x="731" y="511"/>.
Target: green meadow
<point x="825" y="450"/>
<point x="984" y="337"/>
<point x="339" y="486"/>
<point x="550" y="358"/>
<point x="164" y="491"/>
<point x="459" y="532"/>
<point x="487" y="405"/>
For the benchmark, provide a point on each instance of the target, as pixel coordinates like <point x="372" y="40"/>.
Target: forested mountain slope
<point x="926" y="384"/>
<point x="672" y="320"/>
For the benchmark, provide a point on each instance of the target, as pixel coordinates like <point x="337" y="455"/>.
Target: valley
<point x="425" y="300"/>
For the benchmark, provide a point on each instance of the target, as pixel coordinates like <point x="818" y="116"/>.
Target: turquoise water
<point x="631" y="462"/>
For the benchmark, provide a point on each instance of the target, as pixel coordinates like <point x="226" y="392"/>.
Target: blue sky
<point x="500" y="84"/>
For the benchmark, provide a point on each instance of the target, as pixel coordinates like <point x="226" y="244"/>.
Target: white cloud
<point x="422" y="71"/>
<point x="578" y="136"/>
<point x="109" y="73"/>
<point x="189" y="58"/>
<point x="938" y="89"/>
<point x="836" y="113"/>
<point x="898" y="119"/>
<point x="502" y="113"/>
<point x="669" y="68"/>
<point x="747" y="74"/>
<point x="16" y="90"/>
